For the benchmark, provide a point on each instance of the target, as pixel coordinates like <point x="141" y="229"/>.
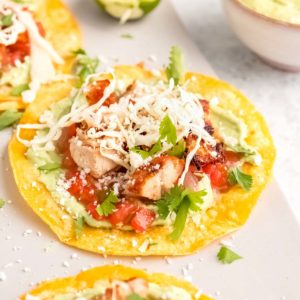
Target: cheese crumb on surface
<point x="2" y="276"/>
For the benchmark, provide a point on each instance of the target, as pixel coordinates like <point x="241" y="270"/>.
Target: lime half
<point x="126" y="10"/>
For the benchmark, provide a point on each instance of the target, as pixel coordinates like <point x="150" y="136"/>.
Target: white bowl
<point x="276" y="42"/>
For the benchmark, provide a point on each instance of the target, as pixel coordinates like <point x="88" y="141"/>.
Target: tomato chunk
<point x="66" y="134"/>
<point x="142" y="219"/>
<point x="81" y="188"/>
<point x="92" y="210"/>
<point x="218" y="175"/>
<point x="231" y="157"/>
<point x="96" y="91"/>
<point x="124" y="212"/>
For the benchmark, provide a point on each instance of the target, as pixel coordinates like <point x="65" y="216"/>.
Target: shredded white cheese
<point x="133" y="121"/>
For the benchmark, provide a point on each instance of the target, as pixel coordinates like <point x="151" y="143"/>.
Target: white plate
<point x="269" y="243"/>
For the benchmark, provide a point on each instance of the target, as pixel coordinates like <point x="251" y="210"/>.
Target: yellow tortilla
<point x="228" y="213"/>
<point x="87" y="279"/>
<point x="63" y="33"/>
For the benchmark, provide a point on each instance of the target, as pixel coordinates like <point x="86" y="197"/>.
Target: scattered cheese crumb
<point x="26" y="270"/>
<point x="66" y="264"/>
<point x="2" y="276"/>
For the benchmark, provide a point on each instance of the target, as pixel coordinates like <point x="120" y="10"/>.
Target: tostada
<point x="133" y="163"/>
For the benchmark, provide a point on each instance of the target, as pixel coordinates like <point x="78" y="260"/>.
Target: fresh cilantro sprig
<point x="9" y="118"/>
<point x="178" y="150"/>
<point x="108" y="205"/>
<point x="167" y="131"/>
<point x="79" y="223"/>
<point x="179" y="200"/>
<point x="227" y="256"/>
<point x="6" y="20"/>
<point x="236" y="176"/>
<point x="85" y="65"/>
<point x="17" y="90"/>
<point x="176" y="65"/>
<point x="2" y="203"/>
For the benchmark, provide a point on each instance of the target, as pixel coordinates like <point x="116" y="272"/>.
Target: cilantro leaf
<point x="17" y="90"/>
<point x="84" y="65"/>
<point x="196" y="199"/>
<point x="144" y="154"/>
<point x="2" y="203"/>
<point x="227" y="256"/>
<point x="79" y="223"/>
<point x="9" y="117"/>
<point x="180" y="220"/>
<point x="49" y="167"/>
<point x="134" y="296"/>
<point x="175" y="68"/>
<point x="236" y="176"/>
<point x="167" y="130"/>
<point x="178" y="150"/>
<point x="156" y="148"/>
<point x="179" y="200"/>
<point x="108" y="205"/>
<point x="7" y="20"/>
<point x="127" y="36"/>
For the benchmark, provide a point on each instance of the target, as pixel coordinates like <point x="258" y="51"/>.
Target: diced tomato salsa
<point x="9" y="55"/>
<point x="83" y="188"/>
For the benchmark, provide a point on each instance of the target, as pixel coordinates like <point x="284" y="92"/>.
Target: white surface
<point x="278" y="43"/>
<point x="269" y="243"/>
<point x="276" y="94"/>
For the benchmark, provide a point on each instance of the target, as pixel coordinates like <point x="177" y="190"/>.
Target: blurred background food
<point x="126" y="10"/>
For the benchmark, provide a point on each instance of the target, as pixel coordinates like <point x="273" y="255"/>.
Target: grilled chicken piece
<point x="90" y="158"/>
<point x="120" y="290"/>
<point x="206" y="154"/>
<point x="154" y="179"/>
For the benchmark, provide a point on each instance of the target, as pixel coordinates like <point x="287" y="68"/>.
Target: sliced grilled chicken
<point x="206" y="154"/>
<point x="90" y="158"/>
<point x="154" y="179"/>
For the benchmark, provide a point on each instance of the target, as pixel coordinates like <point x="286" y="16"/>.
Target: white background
<point x="276" y="94"/>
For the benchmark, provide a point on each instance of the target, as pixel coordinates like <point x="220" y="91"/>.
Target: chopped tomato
<point x="231" y="157"/>
<point x="218" y="175"/>
<point x="81" y="188"/>
<point x="18" y="51"/>
<point x="124" y="212"/>
<point x="142" y="219"/>
<point x="63" y="142"/>
<point x="41" y="28"/>
<point x="96" y="91"/>
<point x="68" y="162"/>
<point x="92" y="210"/>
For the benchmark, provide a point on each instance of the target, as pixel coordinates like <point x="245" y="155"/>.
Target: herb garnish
<point x="108" y="205"/>
<point x="227" y="256"/>
<point x="175" y="67"/>
<point x="2" y="203"/>
<point x="17" y="90"/>
<point x="236" y="176"/>
<point x="167" y="131"/>
<point x="85" y="65"/>
<point x="180" y="201"/>
<point x="6" y="20"/>
<point x="79" y="223"/>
